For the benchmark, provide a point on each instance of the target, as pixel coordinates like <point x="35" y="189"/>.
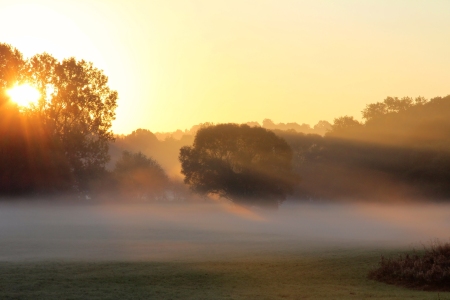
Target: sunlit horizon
<point x="176" y="64"/>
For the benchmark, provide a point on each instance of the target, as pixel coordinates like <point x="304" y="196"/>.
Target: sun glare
<point x="24" y="95"/>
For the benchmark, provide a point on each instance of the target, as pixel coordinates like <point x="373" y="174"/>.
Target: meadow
<point x="206" y="251"/>
<point x="333" y="274"/>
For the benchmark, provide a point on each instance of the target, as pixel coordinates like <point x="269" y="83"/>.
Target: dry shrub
<point x="428" y="270"/>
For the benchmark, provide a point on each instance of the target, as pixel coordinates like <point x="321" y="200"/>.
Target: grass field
<point x="208" y="251"/>
<point x="331" y="274"/>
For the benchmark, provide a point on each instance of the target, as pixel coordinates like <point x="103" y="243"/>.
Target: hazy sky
<point x="176" y="63"/>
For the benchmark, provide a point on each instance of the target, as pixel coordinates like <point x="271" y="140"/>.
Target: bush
<point x="140" y="177"/>
<point x="428" y="271"/>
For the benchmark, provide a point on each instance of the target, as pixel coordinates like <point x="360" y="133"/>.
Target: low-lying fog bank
<point x="210" y="230"/>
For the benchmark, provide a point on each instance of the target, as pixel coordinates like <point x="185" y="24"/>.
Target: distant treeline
<point x="320" y="128"/>
<point x="401" y="151"/>
<point x="165" y="147"/>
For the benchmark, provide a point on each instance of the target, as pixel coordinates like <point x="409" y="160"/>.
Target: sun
<point x="24" y="95"/>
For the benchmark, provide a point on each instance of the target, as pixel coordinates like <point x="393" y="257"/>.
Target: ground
<point x="338" y="274"/>
<point x="205" y="251"/>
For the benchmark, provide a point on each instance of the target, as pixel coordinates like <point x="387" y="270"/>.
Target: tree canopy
<point x="390" y="105"/>
<point x="11" y="66"/>
<point x="77" y="107"/>
<point x="74" y="113"/>
<point x="248" y="165"/>
<point x="343" y="124"/>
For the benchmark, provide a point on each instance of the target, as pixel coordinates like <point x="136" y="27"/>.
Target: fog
<point x="214" y="230"/>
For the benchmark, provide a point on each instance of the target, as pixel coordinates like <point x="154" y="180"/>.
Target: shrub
<point x="429" y="270"/>
<point x="140" y="177"/>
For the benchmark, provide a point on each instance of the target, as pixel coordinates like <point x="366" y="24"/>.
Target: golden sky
<point x="177" y="63"/>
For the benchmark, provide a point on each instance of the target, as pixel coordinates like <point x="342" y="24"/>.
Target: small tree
<point x="248" y="165"/>
<point x="343" y="126"/>
<point x="140" y="177"/>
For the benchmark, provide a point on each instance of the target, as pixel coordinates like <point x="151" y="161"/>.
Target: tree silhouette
<point x="140" y="177"/>
<point x="77" y="107"/>
<point x="248" y="165"/>
<point x="390" y="105"/>
<point x="75" y="110"/>
<point x="29" y="160"/>
<point x="343" y="126"/>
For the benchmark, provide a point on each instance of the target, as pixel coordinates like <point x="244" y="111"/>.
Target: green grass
<point x="338" y="274"/>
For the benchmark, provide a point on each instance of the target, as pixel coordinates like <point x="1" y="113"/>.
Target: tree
<point x="78" y="109"/>
<point x="29" y="160"/>
<point x="343" y="126"/>
<point x="75" y="110"/>
<point x="322" y="127"/>
<point x="140" y="177"/>
<point x="248" y="165"/>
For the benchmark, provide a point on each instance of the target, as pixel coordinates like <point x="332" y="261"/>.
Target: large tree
<point x="75" y="110"/>
<point x="77" y="107"/>
<point x="248" y="165"/>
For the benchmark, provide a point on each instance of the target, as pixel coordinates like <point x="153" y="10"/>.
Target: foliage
<point x="78" y="109"/>
<point x="11" y="66"/>
<point x="249" y="165"/>
<point x="427" y="271"/>
<point x="71" y="122"/>
<point x="29" y="159"/>
<point x="343" y="125"/>
<point x="320" y="128"/>
<point x="165" y="152"/>
<point x="399" y="155"/>
<point x="140" y="177"/>
<point x="390" y="105"/>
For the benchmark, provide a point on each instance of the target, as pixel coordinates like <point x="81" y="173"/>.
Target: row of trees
<point x="401" y="151"/>
<point x="375" y="114"/>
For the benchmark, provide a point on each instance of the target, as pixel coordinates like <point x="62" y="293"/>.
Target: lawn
<point x="338" y="273"/>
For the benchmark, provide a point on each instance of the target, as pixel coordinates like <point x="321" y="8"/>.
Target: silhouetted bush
<point x="140" y="177"/>
<point x="423" y="271"/>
